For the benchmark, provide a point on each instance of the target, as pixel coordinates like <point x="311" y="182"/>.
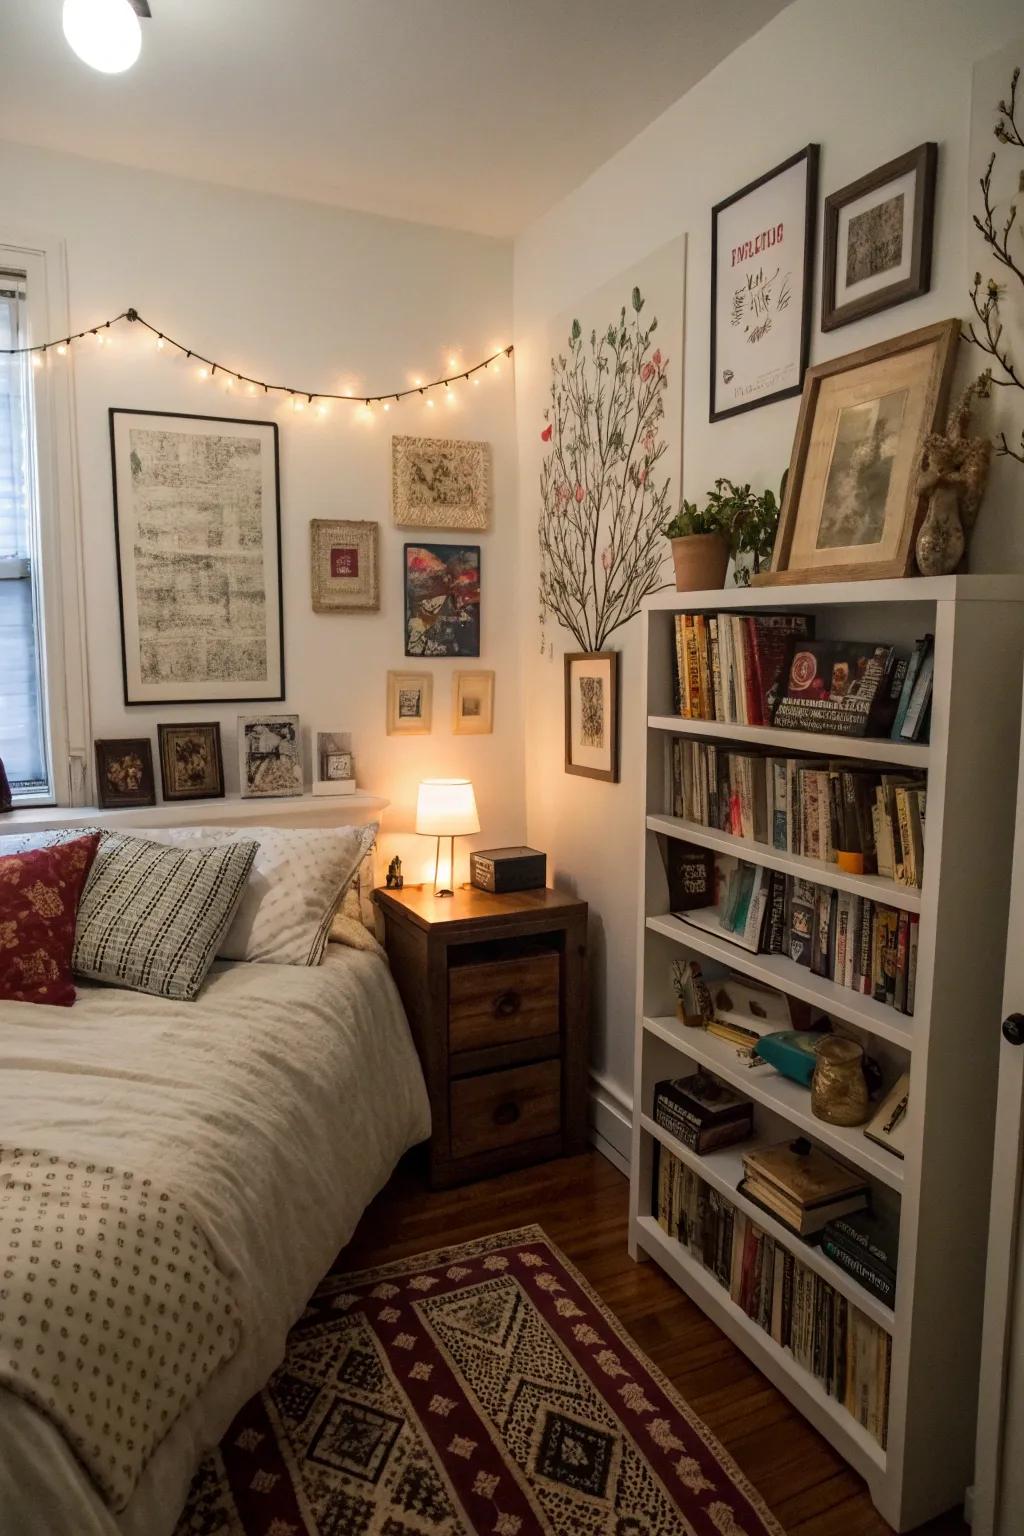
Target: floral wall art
<point x="610" y="436"/>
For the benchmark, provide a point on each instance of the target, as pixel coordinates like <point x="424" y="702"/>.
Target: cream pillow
<point x="299" y="877"/>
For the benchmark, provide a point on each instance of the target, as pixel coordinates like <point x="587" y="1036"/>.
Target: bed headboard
<point x="231" y="811"/>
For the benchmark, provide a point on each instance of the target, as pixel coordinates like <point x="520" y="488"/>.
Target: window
<point x="24" y="745"/>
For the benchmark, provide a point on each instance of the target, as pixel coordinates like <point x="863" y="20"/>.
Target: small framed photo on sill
<point x="191" y="763"/>
<point x="337" y="765"/>
<point x="124" y="773"/>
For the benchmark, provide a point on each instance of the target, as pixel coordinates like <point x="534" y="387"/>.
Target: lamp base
<point x="444" y="874"/>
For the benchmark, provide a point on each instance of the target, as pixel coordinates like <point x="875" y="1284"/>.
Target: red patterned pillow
<point x="39" y="894"/>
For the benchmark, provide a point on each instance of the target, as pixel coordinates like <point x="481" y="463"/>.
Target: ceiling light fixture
<point x="105" y="34"/>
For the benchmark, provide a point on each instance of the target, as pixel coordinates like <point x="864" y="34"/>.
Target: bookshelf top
<point x="910" y="589"/>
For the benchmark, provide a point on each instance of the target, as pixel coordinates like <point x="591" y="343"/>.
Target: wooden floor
<point x="582" y="1205"/>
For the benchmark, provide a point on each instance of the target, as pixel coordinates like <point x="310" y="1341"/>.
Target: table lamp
<point x="446" y="808"/>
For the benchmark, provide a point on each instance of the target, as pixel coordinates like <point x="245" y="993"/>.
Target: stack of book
<point x="702" y="1112"/>
<point x="866" y="1246"/>
<point x="801" y="1186"/>
<point x="864" y="945"/>
<point x="729" y="665"/>
<point x="843" y="813"/>
<point x="828" y="1336"/>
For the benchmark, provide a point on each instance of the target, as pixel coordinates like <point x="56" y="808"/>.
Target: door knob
<point x="1013" y="1028"/>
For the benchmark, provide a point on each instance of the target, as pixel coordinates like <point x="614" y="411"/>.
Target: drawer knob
<point x="507" y="1113"/>
<point x="506" y="1004"/>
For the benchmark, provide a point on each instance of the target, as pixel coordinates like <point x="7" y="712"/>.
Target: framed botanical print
<point x="440" y="482"/>
<point x="853" y="504"/>
<point x="344" y="572"/>
<point x="762" y="278"/>
<point x="269" y="755"/>
<point x="473" y="703"/>
<point x="878" y="239"/>
<point x="124" y="773"/>
<point x="198" y="529"/>
<point x="191" y="763"/>
<point x="410" y="703"/>
<point x="592" y="714"/>
<point x="442" y="600"/>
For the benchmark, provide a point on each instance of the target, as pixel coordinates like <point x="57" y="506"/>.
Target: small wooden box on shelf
<point x="495" y="990"/>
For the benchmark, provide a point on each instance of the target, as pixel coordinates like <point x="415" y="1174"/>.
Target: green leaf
<point x="576" y="331"/>
<point x="653" y="325"/>
<point x="638" y="302"/>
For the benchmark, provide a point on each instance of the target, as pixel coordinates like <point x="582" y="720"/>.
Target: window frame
<point x="59" y="588"/>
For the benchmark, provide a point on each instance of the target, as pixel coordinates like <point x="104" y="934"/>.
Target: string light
<point x="208" y="367"/>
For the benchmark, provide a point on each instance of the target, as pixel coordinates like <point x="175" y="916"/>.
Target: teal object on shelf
<point x="791" y="1052"/>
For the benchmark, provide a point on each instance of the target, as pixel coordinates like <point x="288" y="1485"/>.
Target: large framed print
<point x="762" y="279"/>
<point x="198" y="527"/>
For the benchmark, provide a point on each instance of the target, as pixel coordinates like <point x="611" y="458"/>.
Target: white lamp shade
<point x="104" y="33"/>
<point x="446" y="808"/>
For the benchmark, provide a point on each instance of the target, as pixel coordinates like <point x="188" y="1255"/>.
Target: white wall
<point x="866" y="82"/>
<point x="318" y="297"/>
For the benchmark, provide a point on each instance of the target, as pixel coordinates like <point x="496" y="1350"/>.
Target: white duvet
<point x="274" y="1107"/>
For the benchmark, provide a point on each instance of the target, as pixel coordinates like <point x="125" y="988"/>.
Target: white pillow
<point x="299" y="877"/>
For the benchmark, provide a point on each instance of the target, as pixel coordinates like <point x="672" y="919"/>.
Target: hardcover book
<point x="843" y="687"/>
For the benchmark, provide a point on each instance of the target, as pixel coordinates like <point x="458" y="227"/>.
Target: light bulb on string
<point x="62" y="348"/>
<point x="37" y="359"/>
<point x="430" y="404"/>
<point x="203" y="373"/>
<point x="160" y="343"/>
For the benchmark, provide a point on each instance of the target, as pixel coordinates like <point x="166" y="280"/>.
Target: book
<point x="802" y="1220"/>
<point x="803" y="1173"/>
<point x="691" y="875"/>
<point x="914" y="720"/>
<point x="839" y="686"/>
<point x="872" y="1234"/>
<point x="910" y="678"/>
<point x="888" y="1125"/>
<point x="702" y="1112"/>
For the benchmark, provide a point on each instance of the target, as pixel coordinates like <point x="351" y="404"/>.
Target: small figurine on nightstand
<point x="395" y="880"/>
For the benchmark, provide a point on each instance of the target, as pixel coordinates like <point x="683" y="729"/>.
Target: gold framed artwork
<point x="344" y="569"/>
<point x="440" y="482"/>
<point x="853" y="505"/>
<point x="410" y="703"/>
<point x="473" y="703"/>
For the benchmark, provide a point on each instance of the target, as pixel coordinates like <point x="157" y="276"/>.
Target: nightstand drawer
<point x="502" y="1001"/>
<point x="499" y="1109"/>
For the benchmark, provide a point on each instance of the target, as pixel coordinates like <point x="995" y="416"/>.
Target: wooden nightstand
<point x="496" y="992"/>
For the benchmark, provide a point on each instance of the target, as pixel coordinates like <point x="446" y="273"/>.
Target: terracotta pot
<point x="701" y="561"/>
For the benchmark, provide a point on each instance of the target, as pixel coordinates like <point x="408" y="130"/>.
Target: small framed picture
<point x="592" y="714"/>
<point x="124" y="773"/>
<point x="191" y="764"/>
<point x="269" y="755"/>
<point x="878" y="239"/>
<point x="338" y="765"/>
<point x="440" y="482"/>
<point x="473" y="703"/>
<point x="345" y="566"/>
<point x="410" y="703"/>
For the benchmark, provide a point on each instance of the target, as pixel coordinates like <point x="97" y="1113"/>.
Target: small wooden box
<point x="508" y="869"/>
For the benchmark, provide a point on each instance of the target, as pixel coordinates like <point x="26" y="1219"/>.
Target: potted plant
<point x="700" y="547"/>
<point x="734" y="521"/>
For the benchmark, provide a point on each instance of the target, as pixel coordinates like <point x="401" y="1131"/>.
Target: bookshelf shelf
<point x="723" y="1170"/>
<point x="875" y="887"/>
<point x="873" y="749"/>
<point x="941" y="1189"/>
<point x="853" y="1442"/>
<point x="797" y="980"/>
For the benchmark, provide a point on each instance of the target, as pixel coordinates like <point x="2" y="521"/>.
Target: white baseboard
<point x="611" y="1123"/>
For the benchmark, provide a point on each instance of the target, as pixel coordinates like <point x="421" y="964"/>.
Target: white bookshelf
<point x="949" y="1045"/>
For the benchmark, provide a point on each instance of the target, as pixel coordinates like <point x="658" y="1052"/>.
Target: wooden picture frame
<point x="406" y="717"/>
<point x="769" y="311"/>
<point x="831" y="491"/>
<point x="124" y="773"/>
<point x="879" y="235"/>
<point x="473" y="704"/>
<point x="344" y="565"/>
<point x="592" y="751"/>
<point x="191" y="761"/>
<point x="169" y="653"/>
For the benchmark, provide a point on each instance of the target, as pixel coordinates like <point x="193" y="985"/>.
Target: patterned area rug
<point x="472" y="1390"/>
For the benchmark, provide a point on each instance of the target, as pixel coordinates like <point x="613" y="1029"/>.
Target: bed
<point x="275" y="1106"/>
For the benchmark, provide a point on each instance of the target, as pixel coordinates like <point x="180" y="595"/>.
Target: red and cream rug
<point x="482" y="1390"/>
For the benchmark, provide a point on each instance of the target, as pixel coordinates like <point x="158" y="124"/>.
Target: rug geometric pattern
<point x="482" y="1390"/>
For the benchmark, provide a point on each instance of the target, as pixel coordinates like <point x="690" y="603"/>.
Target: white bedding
<point x="274" y="1107"/>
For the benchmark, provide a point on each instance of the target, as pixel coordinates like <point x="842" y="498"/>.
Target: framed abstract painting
<point x="442" y="600"/>
<point x="592" y="714"/>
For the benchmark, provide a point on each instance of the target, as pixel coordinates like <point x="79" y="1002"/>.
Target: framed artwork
<point x="762" y="278"/>
<point x="442" y="600"/>
<point x="473" y="703"/>
<point x="191" y="764"/>
<point x="338" y="765"/>
<point x="592" y="714"/>
<point x="852" y="506"/>
<point x="269" y="755"/>
<point x="344" y="572"/>
<point x="410" y="703"/>
<point x="878" y="239"/>
<point x="198" y="527"/>
<point x="440" y="482"/>
<point x="124" y="773"/>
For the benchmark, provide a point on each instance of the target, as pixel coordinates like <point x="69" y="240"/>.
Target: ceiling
<point x="476" y="114"/>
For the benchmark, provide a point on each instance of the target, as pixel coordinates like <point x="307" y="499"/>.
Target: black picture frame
<point x="108" y="796"/>
<point x="448" y="551"/>
<point x="165" y="740"/>
<point x="923" y="162"/>
<point x="113" y="413"/>
<point x="810" y="154"/>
